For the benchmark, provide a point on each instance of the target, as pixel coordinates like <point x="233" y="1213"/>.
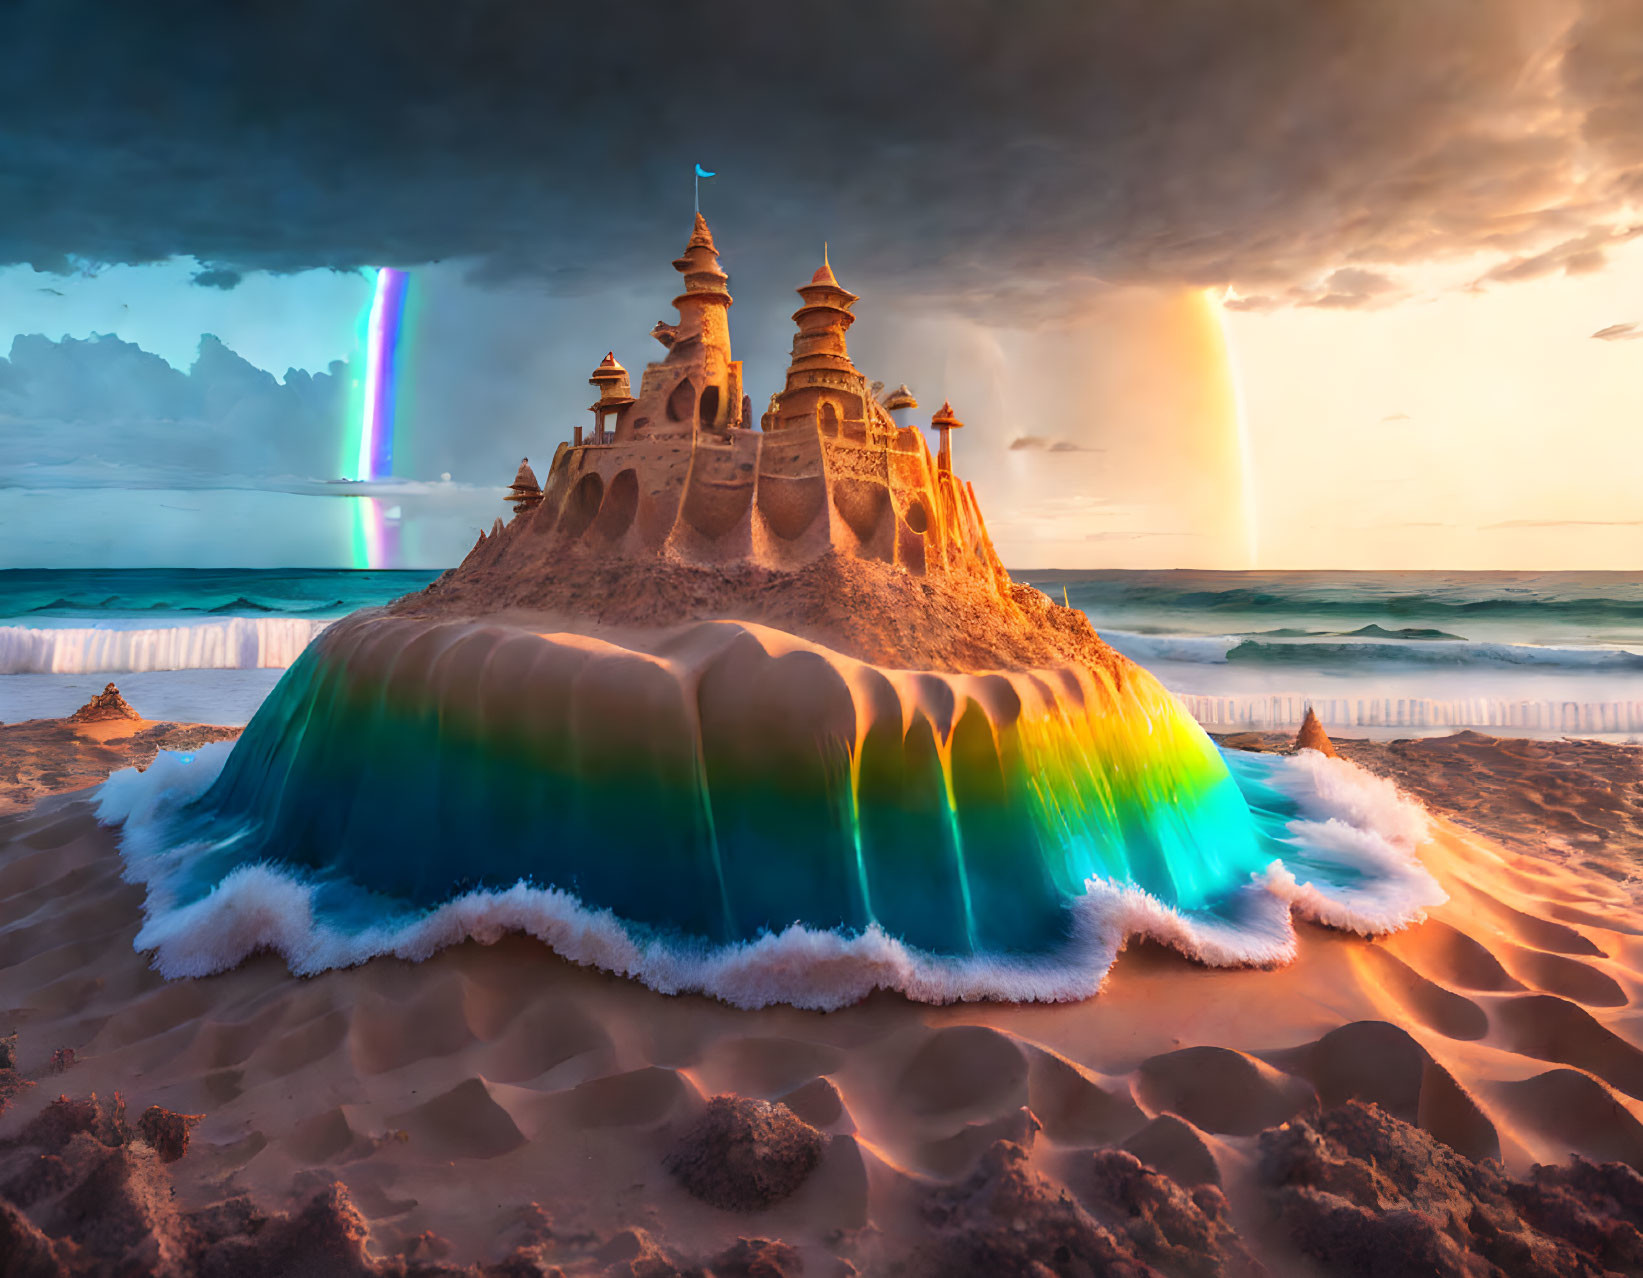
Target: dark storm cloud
<point x="1579" y="255"/>
<point x="1349" y="288"/>
<point x="217" y="277"/>
<point x="973" y="147"/>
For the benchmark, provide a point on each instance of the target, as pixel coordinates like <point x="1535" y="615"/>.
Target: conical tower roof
<point x="701" y="235"/>
<point x="608" y="371"/>
<point x="525" y="477"/>
<point x="825" y="291"/>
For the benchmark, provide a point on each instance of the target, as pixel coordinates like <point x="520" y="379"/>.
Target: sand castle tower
<point x="611" y="379"/>
<point x="900" y="403"/>
<point x="525" y="493"/>
<point x="821" y="380"/>
<point x="709" y="395"/>
<point x="945" y="423"/>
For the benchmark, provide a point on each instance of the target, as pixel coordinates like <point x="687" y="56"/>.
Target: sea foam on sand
<point x="1350" y="864"/>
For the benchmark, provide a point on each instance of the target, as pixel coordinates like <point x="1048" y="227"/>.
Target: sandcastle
<point x="828" y="517"/>
<point x="737" y="706"/>
<point x="682" y="469"/>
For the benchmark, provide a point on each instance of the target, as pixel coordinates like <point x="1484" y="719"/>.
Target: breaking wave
<point x="1578" y="599"/>
<point x="1284" y="710"/>
<point x="237" y="643"/>
<point x="1330" y="653"/>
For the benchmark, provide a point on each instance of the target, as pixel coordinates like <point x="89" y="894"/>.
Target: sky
<point x="1279" y="283"/>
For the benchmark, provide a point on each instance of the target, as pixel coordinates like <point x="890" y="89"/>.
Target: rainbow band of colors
<point x="371" y="456"/>
<point x="399" y="764"/>
<point x="376" y="434"/>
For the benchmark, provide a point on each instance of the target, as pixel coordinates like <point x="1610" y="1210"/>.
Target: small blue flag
<point x="701" y="172"/>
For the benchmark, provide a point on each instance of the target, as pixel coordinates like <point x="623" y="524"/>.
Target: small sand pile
<point x="745" y="1155"/>
<point x="107" y="704"/>
<point x="1313" y="737"/>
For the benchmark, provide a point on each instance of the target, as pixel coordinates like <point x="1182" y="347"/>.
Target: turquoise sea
<point x="1379" y="653"/>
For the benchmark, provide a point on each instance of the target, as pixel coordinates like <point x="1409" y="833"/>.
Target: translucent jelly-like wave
<point x="730" y="808"/>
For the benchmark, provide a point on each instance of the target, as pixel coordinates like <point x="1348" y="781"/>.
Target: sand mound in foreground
<point x="446" y="1095"/>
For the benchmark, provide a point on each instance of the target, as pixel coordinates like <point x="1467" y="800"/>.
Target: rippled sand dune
<point x="448" y="1095"/>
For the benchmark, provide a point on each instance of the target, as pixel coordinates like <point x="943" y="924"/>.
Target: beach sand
<point x="496" y="1101"/>
<point x="41" y="757"/>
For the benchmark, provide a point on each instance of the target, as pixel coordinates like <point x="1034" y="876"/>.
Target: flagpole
<point x="698" y="192"/>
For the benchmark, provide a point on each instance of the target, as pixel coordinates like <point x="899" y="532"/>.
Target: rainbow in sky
<point x="376" y="528"/>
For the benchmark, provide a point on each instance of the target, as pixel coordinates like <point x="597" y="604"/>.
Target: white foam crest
<point x="1147" y="649"/>
<point x="143" y="800"/>
<point x="1353" y="821"/>
<point x="1284" y="710"/>
<point x="1337" y="790"/>
<point x="1355" y="824"/>
<point x="232" y="643"/>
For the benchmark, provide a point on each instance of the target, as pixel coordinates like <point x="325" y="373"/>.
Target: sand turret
<point x="821" y="379"/>
<point x="899" y="401"/>
<point x="615" y="394"/>
<point x="709" y="395"/>
<point x="524" y="492"/>
<point x="944" y="423"/>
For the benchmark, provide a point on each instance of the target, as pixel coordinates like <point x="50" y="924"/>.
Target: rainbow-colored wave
<point x="727" y="785"/>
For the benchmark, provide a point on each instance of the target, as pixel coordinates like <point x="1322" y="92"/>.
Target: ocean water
<point x="1375" y="653"/>
<point x="1382" y="653"/>
<point x="192" y="645"/>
